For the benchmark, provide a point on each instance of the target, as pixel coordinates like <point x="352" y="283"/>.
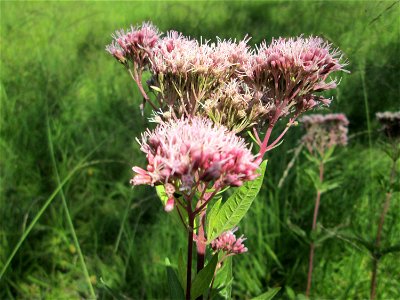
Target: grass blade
<point x="68" y="215"/>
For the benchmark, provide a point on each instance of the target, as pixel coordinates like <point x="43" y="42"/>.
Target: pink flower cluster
<point x="136" y="44"/>
<point x="390" y="122"/>
<point x="228" y="243"/>
<point x="281" y="78"/>
<point x="187" y="151"/>
<point x="324" y="131"/>
<point x="179" y="55"/>
<point x="290" y="71"/>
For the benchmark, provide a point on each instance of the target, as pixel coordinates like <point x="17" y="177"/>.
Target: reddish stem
<point x="207" y="199"/>
<point x="201" y="237"/>
<point x="136" y="78"/>
<point x="314" y="225"/>
<point x="201" y="242"/>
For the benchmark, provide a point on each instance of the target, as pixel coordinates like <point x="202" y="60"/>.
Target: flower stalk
<point x="189" y="255"/>
<point x="313" y="228"/>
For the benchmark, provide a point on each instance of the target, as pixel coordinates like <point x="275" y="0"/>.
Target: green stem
<point x="314" y="226"/>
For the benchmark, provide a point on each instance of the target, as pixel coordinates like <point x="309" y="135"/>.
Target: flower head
<point x="185" y="152"/>
<point x="175" y="54"/>
<point x="228" y="243"/>
<point x="135" y="44"/>
<point x="290" y="71"/>
<point x="231" y="57"/>
<point x="234" y="105"/>
<point x="390" y="122"/>
<point x="324" y="131"/>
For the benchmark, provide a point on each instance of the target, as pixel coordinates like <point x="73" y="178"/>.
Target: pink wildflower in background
<point x="185" y="152"/>
<point x="324" y="131"/>
<point x="228" y="243"/>
<point x="390" y="122"/>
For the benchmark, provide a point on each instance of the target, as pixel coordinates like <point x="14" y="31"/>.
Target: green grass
<point x="70" y="222"/>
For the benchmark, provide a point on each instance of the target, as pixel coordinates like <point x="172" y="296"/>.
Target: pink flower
<point x="228" y="243"/>
<point x="324" y="131"/>
<point x="136" y="44"/>
<point x="231" y="58"/>
<point x="185" y="152"/>
<point x="290" y="71"/>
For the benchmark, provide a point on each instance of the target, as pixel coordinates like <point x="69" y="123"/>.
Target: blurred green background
<point x="65" y="103"/>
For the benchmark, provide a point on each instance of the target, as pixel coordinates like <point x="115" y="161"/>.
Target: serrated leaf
<point x="203" y="279"/>
<point x="212" y="214"/>
<point x="268" y="295"/>
<point x="237" y="205"/>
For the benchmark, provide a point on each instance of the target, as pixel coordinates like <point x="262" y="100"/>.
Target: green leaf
<point x="203" y="279"/>
<point x="290" y="293"/>
<point x="212" y="214"/>
<point x="174" y="286"/>
<point x="268" y="295"/>
<point x="328" y="155"/>
<point x="329" y="185"/>
<point x="182" y="270"/>
<point x="162" y="194"/>
<point x="252" y="136"/>
<point x="157" y="89"/>
<point x="223" y="280"/>
<point x="314" y="176"/>
<point x="297" y="230"/>
<point x="174" y="214"/>
<point x="312" y="158"/>
<point x="237" y="205"/>
<point x="111" y="292"/>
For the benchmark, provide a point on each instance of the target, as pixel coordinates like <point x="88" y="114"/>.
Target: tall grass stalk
<point x="69" y="219"/>
<point x="367" y="116"/>
<point x="80" y="166"/>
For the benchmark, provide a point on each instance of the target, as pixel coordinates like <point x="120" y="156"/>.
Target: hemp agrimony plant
<point x="206" y="96"/>
<point x="323" y="134"/>
<point x="390" y="122"/>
